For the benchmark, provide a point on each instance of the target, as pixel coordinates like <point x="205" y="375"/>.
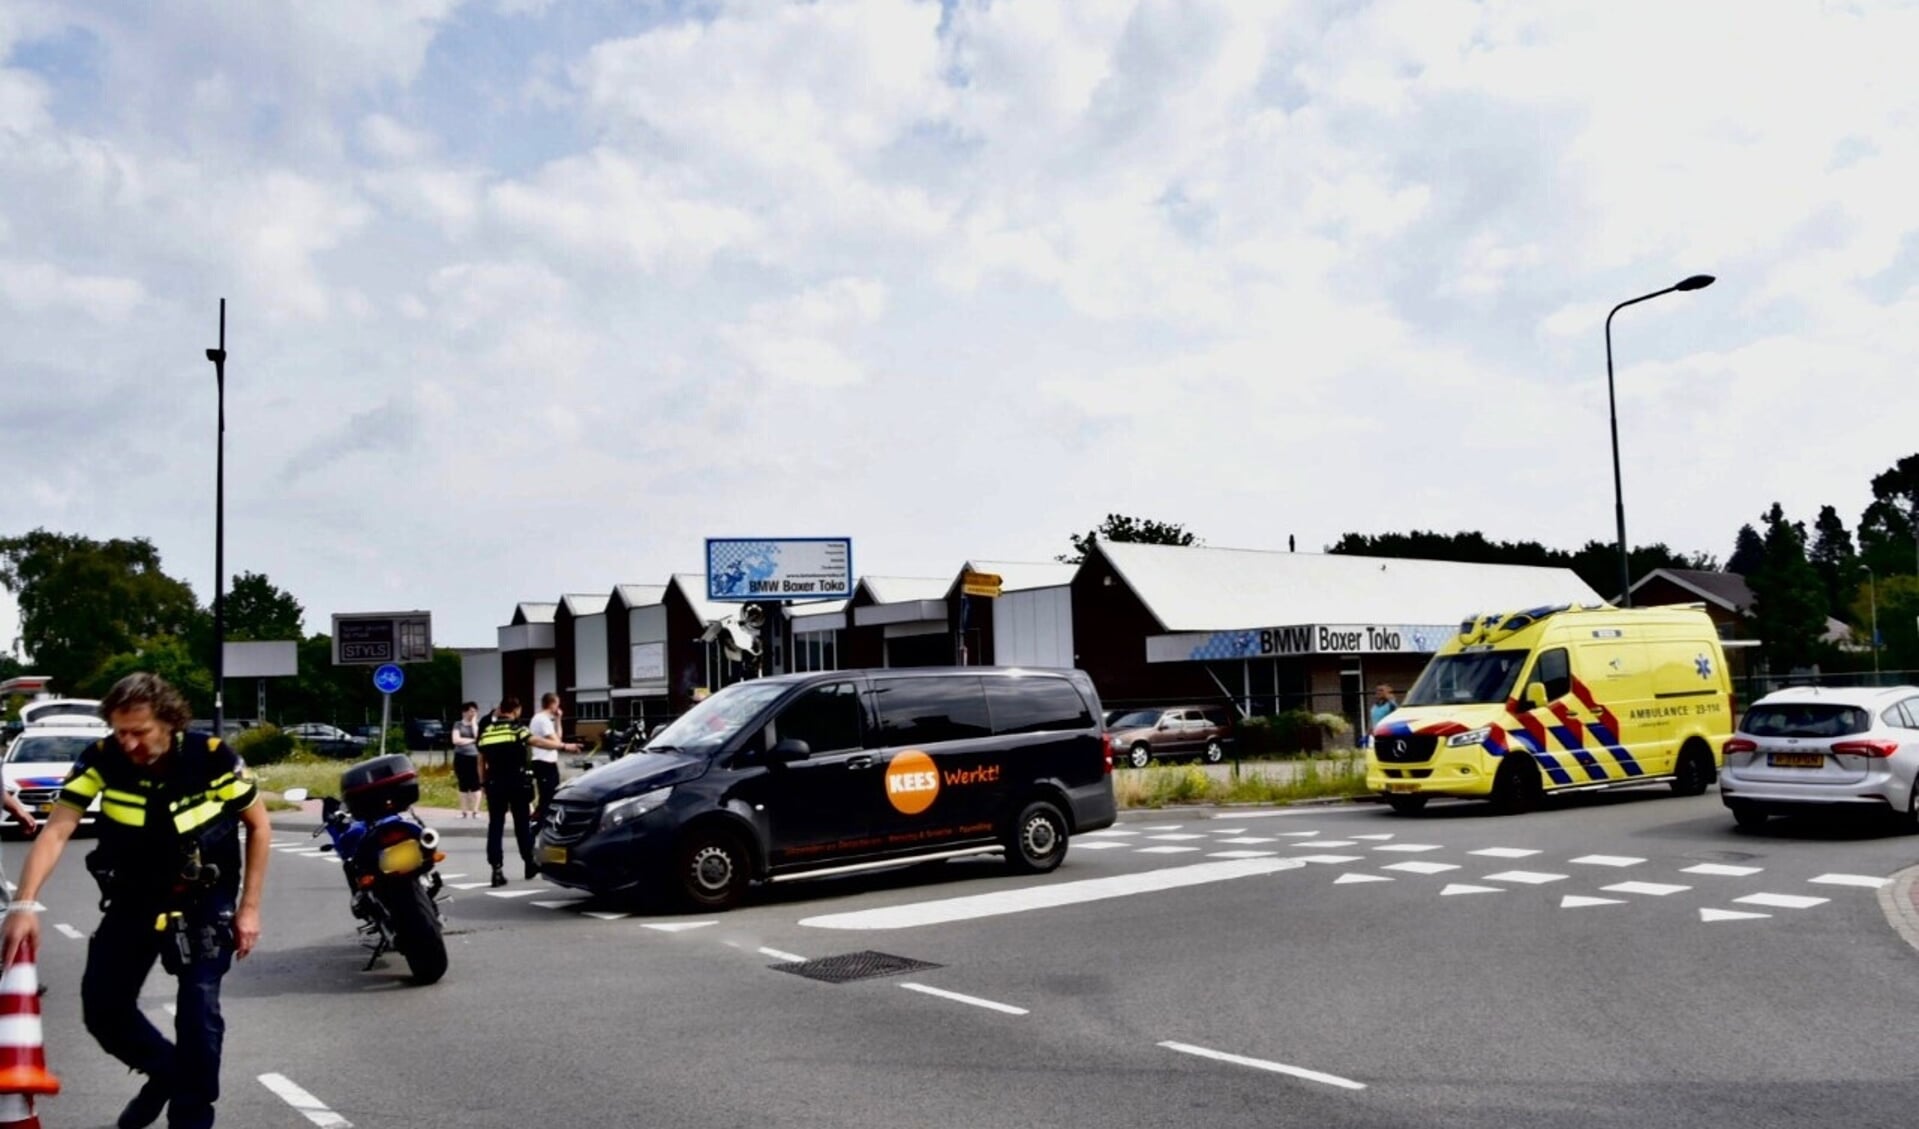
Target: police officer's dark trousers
<point x="509" y="792"/>
<point x="119" y="957"/>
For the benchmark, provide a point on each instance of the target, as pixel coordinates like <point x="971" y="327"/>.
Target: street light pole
<point x="1872" y="594"/>
<point x="1695" y="282"/>
<point x="219" y="358"/>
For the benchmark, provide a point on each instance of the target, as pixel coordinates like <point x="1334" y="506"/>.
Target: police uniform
<point x="509" y="788"/>
<point x="168" y="864"/>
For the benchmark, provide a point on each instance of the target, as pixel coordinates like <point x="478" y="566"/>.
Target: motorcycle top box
<point x="380" y="786"/>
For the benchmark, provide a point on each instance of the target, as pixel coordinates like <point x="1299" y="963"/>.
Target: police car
<point x="39" y="759"/>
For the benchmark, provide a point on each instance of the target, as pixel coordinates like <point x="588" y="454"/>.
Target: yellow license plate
<point x="1795" y="760"/>
<point x="1402" y="787"/>
<point x="402" y="858"/>
<point x="554" y="855"/>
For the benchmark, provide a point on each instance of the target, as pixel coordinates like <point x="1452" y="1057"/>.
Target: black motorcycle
<point x="390" y="861"/>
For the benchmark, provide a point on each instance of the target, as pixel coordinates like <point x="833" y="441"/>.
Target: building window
<point x="815" y="650"/>
<point x="592" y="711"/>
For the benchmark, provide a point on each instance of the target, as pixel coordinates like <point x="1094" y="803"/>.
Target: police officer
<point x="171" y="807"/>
<point x="506" y="773"/>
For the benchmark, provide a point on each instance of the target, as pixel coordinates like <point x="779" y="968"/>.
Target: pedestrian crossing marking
<point x="1468" y="888"/>
<point x="1607" y="860"/>
<point x="1782" y="901"/>
<point x="1329" y="859"/>
<point x="1654" y="889"/>
<point x="1242" y="854"/>
<point x="1353" y="876"/>
<point x="1865" y="880"/>
<point x="1577" y="901"/>
<point x="1409" y="848"/>
<point x="1528" y="877"/>
<point x="1248" y="841"/>
<point x="1727" y="915"/>
<point x="1721" y="870"/>
<point x="1417" y="867"/>
<point x="1504" y="852"/>
<point x="1164" y="850"/>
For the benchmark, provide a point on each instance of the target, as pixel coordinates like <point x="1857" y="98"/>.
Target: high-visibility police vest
<point x="503" y="746"/>
<point x="152" y="818"/>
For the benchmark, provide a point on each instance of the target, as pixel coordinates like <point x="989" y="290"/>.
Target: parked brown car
<point x="1172" y="732"/>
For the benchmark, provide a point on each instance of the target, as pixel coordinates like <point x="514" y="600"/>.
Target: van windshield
<point x="709" y="724"/>
<point x="1476" y="678"/>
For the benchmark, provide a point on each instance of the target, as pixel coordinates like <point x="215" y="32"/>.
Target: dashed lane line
<point x="676" y="926"/>
<point x="1526" y="877"/>
<point x="1654" y="889"/>
<point x="1353" y="877"/>
<point x="1469" y="888"/>
<point x="1577" y="901"/>
<point x="1418" y="867"/>
<point x="1264" y="1064"/>
<point x="1100" y="845"/>
<point x="69" y="932"/>
<point x="1781" y="901"/>
<point x="1709" y="914"/>
<point x="1409" y="848"/>
<point x="1249" y="840"/>
<point x="1722" y="870"/>
<point x="1865" y="881"/>
<point x="1329" y="860"/>
<point x="1504" y="852"/>
<point x="1176" y="837"/>
<point x="1323" y="843"/>
<point x="312" y="1108"/>
<point x="1164" y="850"/>
<point x="776" y="954"/>
<point x="956" y="997"/>
<point x="1241" y="854"/>
<point x="1607" y="860"/>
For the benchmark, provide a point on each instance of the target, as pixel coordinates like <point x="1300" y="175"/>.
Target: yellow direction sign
<point x="984" y="584"/>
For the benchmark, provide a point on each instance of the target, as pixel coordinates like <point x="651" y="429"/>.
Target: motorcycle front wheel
<point x="416" y="931"/>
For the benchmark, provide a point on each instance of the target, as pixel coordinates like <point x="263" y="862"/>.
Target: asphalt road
<point x="1312" y="967"/>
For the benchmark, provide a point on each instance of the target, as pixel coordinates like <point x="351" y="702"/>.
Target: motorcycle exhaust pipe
<point x="429" y="838"/>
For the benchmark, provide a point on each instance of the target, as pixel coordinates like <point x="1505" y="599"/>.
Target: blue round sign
<point x="388" y="679"/>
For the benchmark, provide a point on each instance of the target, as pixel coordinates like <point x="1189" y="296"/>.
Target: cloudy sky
<point x="530" y="296"/>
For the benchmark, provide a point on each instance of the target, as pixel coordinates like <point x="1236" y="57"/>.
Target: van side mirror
<point x="1165" y="723"/>
<point x="788" y="750"/>
<point x="1535" y="698"/>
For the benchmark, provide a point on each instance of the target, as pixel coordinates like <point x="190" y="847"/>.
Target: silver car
<point x="1811" y="747"/>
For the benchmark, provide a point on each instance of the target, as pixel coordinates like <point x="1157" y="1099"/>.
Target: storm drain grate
<point x="848" y="967"/>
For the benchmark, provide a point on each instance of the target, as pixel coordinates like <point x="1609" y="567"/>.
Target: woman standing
<point x="466" y="760"/>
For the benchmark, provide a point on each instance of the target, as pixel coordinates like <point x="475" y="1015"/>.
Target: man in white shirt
<point x="544" y="737"/>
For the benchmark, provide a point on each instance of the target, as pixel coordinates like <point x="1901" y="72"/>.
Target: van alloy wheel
<point x="1141" y="756"/>
<point x="1215" y="752"/>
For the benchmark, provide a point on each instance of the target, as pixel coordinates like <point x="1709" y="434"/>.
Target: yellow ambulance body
<point x="1559" y="699"/>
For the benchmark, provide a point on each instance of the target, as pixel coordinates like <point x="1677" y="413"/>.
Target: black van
<point x="836" y="771"/>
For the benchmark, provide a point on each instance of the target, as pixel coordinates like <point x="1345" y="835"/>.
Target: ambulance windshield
<point x="1475" y="677"/>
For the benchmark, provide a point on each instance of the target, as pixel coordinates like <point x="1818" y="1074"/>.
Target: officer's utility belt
<point x="186" y="884"/>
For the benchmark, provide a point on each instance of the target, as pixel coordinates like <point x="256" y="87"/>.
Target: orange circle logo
<point x="912" y="783"/>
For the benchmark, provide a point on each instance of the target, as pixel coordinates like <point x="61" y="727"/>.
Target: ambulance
<point x="1559" y="699"/>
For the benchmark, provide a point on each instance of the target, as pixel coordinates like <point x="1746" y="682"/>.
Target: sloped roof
<point x="1727" y="589"/>
<point x="534" y="612"/>
<point x="1199" y="588"/>
<point x="579" y="604"/>
<point x="905" y="589"/>
<point x="1021" y="576"/>
<point x="816" y="607"/>
<point x="692" y="585"/>
<point x="641" y="595"/>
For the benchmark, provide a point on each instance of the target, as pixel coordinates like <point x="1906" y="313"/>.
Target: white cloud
<point x="35" y="288"/>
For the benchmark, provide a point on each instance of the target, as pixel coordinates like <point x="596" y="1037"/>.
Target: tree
<point x="1832" y="556"/>
<point x="1789" y="603"/>
<point x="256" y="610"/>
<point x="1748" y="553"/>
<point x="167" y="656"/>
<point x="84" y="601"/>
<point x="1889" y="527"/>
<point x="1896" y="600"/>
<point x="1119" y="527"/>
<point x="1597" y="562"/>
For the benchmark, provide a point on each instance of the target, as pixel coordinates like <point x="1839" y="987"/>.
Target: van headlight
<point x="1470" y="737"/>
<point x="633" y="807"/>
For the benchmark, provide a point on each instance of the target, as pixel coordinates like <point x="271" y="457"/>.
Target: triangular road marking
<point x="679" y="926"/>
<point x="1728" y="915"/>
<point x="1575" y="901"/>
<point x="1349" y="879"/>
<point x="1467" y="888"/>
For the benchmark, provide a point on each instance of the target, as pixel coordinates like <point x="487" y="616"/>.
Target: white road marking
<point x="567" y="903"/>
<point x="1299" y="834"/>
<point x="450" y="877"/>
<point x="312" y="1108"/>
<point x="1353" y="876"/>
<point x="1241" y="854"/>
<point x="1109" y="831"/>
<point x="1728" y="915"/>
<point x="776" y="954"/>
<point x="943" y="994"/>
<point x="1328" y="859"/>
<point x="1504" y="852"/>
<point x="1656" y="889"/>
<point x="1165" y="827"/>
<point x="677" y="926"/>
<point x="69" y="932"/>
<point x="1576" y="901"/>
<point x="512" y="893"/>
<point x="1380" y="837"/>
<point x="468" y="885"/>
<point x="1323" y="843"/>
<point x="605" y="915"/>
<point x="1101" y="845"/>
<point x="1467" y="888"/>
<point x="1228" y="830"/>
<point x="1175" y="838"/>
<point x="1866" y="880"/>
<point x="1262" y="1064"/>
<point x="1782" y="901"/>
<point x="1249" y="840"/>
<point x="1000" y="902"/>
<point x="1607" y="860"/>
<point x="170" y="1009"/>
<point x="1529" y="877"/>
<point x="1164" y="850"/>
<point x="1721" y="870"/>
<point x="1417" y="867"/>
<point x="1408" y="848"/>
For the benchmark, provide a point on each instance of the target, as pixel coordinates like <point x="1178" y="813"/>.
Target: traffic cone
<point x="23" y="1055"/>
<point x="16" y="1112"/>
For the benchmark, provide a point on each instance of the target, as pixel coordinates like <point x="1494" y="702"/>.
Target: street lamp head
<point x="216" y="355"/>
<point x="1696" y="282"/>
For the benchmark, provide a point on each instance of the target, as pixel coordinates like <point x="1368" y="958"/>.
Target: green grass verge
<point x="1256" y="782"/>
<point x="321" y="777"/>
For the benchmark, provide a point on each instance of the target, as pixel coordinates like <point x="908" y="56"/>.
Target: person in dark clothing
<point x="506" y="773"/>
<point x="173" y="804"/>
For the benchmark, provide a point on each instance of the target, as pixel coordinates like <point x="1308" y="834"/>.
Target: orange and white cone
<point x="23" y="1055"/>
<point x="16" y="1112"/>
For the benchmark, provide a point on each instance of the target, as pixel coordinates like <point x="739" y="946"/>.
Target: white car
<point x="64" y="709"/>
<point x="39" y="759"/>
<point x="1810" y="747"/>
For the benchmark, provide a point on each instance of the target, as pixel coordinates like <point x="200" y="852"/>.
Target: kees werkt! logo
<point x="912" y="783"/>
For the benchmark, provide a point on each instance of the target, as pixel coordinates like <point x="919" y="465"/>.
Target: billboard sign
<point x="375" y="638"/>
<point x="793" y="568"/>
